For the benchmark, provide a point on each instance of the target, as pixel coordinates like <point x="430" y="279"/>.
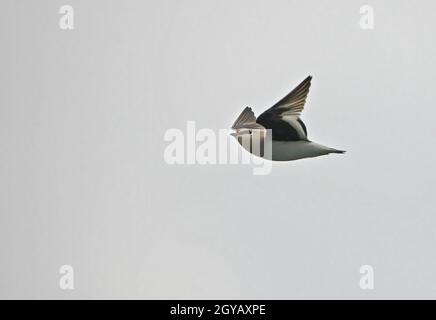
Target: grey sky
<point x="82" y="176"/>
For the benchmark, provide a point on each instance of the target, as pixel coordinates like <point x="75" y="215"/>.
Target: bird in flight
<point x="280" y="129"/>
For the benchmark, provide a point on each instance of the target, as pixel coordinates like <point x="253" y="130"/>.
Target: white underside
<point x="294" y="150"/>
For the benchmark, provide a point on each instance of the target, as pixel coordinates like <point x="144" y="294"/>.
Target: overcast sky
<point x="83" y="181"/>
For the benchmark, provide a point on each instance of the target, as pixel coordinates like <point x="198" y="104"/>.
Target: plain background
<point x="82" y="176"/>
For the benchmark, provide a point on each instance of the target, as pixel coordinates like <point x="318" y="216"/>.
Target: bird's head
<point x="246" y="130"/>
<point x="242" y="134"/>
<point x="249" y="136"/>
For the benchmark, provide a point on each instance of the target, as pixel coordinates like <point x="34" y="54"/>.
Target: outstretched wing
<point x="283" y="118"/>
<point x="246" y="120"/>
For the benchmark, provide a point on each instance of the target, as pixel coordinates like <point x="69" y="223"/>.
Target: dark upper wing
<point x="283" y="118"/>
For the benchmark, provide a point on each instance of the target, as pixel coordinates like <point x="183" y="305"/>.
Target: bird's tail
<point x="326" y="149"/>
<point x="332" y="150"/>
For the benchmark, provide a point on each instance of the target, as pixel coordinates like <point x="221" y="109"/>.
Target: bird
<point x="280" y="129"/>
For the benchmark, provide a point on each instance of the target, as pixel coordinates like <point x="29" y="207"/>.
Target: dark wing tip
<point x="296" y="98"/>
<point x="307" y="80"/>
